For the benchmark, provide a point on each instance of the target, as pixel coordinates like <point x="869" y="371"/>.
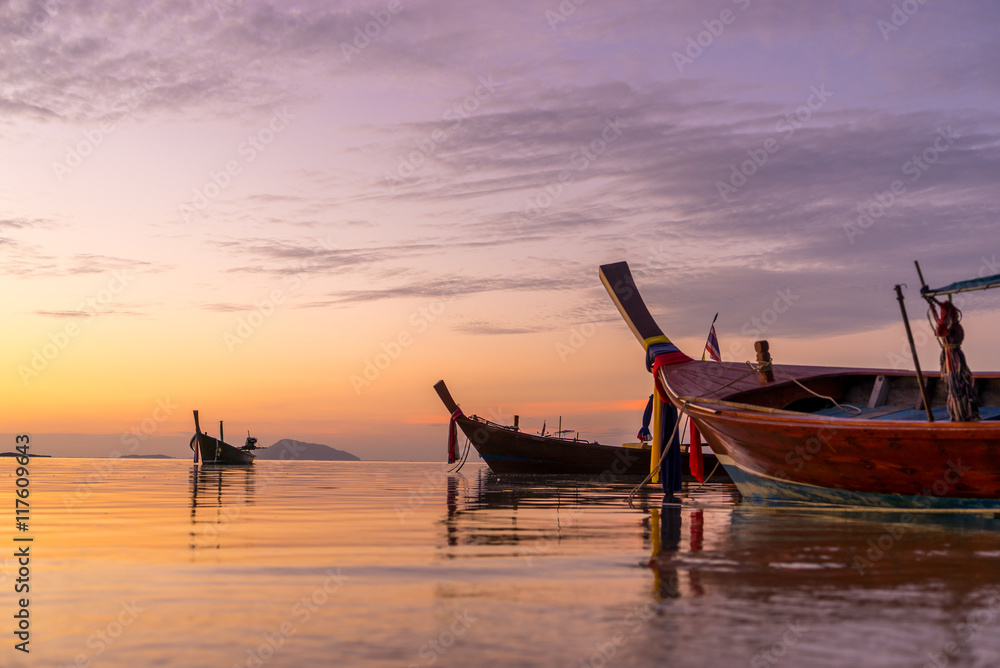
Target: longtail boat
<point x="507" y="449"/>
<point x="213" y="450"/>
<point x="832" y="435"/>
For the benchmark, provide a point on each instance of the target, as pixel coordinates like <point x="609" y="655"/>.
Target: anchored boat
<point x="868" y="437"/>
<point x="213" y="450"/>
<point x="507" y="449"/>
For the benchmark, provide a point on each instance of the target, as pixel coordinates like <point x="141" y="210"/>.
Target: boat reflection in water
<point x="217" y="495"/>
<point x="666" y="524"/>
<point x="562" y="516"/>
<point x="808" y="585"/>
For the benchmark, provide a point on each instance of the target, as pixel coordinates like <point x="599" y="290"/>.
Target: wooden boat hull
<point x="213" y="451"/>
<point x="508" y="451"/>
<point x="774" y="454"/>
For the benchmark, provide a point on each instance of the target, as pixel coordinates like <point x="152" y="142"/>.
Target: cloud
<point x="591" y="145"/>
<point x="791" y="222"/>
<point x="102" y="264"/>
<point x="450" y="287"/>
<point x="103" y="310"/>
<point x="480" y="327"/>
<point x="227" y="307"/>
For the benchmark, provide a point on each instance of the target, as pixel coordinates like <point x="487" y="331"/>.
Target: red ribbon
<point x="695" y="461"/>
<point x="665" y="359"/>
<point x="453" y="436"/>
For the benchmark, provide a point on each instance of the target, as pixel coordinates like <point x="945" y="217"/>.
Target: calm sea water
<point x="156" y="563"/>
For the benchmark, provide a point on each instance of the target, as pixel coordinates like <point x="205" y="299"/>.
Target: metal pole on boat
<point x="920" y="275"/>
<point x="654" y="451"/>
<point x="218" y="445"/>
<point x="913" y="351"/>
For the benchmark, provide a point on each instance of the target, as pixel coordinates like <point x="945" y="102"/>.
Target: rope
<point x="708" y="476"/>
<point x="465" y="456"/>
<point x="843" y="407"/>
<point x="963" y="404"/>
<point x="653" y="472"/>
<point x="752" y="371"/>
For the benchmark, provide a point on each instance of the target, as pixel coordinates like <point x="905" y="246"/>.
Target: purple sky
<point x="487" y="156"/>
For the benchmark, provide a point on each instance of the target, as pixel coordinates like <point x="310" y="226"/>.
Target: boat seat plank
<point x="989" y="413"/>
<point x="919" y="414"/>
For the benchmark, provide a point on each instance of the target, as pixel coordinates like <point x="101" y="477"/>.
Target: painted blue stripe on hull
<point x="490" y="458"/>
<point x="755" y="488"/>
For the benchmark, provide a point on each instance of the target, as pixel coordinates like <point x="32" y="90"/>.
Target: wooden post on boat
<point x="655" y="448"/>
<point x="913" y="351"/>
<point x="764" y="367"/>
<point x="197" y="437"/>
<point x="218" y="444"/>
<point x="445" y="395"/>
<point x="516" y="427"/>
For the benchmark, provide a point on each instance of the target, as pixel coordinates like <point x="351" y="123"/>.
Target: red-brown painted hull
<point x="805" y="457"/>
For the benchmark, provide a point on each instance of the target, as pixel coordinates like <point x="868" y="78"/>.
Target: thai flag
<point x="712" y="345"/>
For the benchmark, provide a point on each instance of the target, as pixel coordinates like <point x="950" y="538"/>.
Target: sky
<point x="296" y="217"/>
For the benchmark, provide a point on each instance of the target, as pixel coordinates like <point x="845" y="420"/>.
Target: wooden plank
<point x="880" y="393"/>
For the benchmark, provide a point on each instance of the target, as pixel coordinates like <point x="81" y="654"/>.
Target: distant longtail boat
<point x="213" y="450"/>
